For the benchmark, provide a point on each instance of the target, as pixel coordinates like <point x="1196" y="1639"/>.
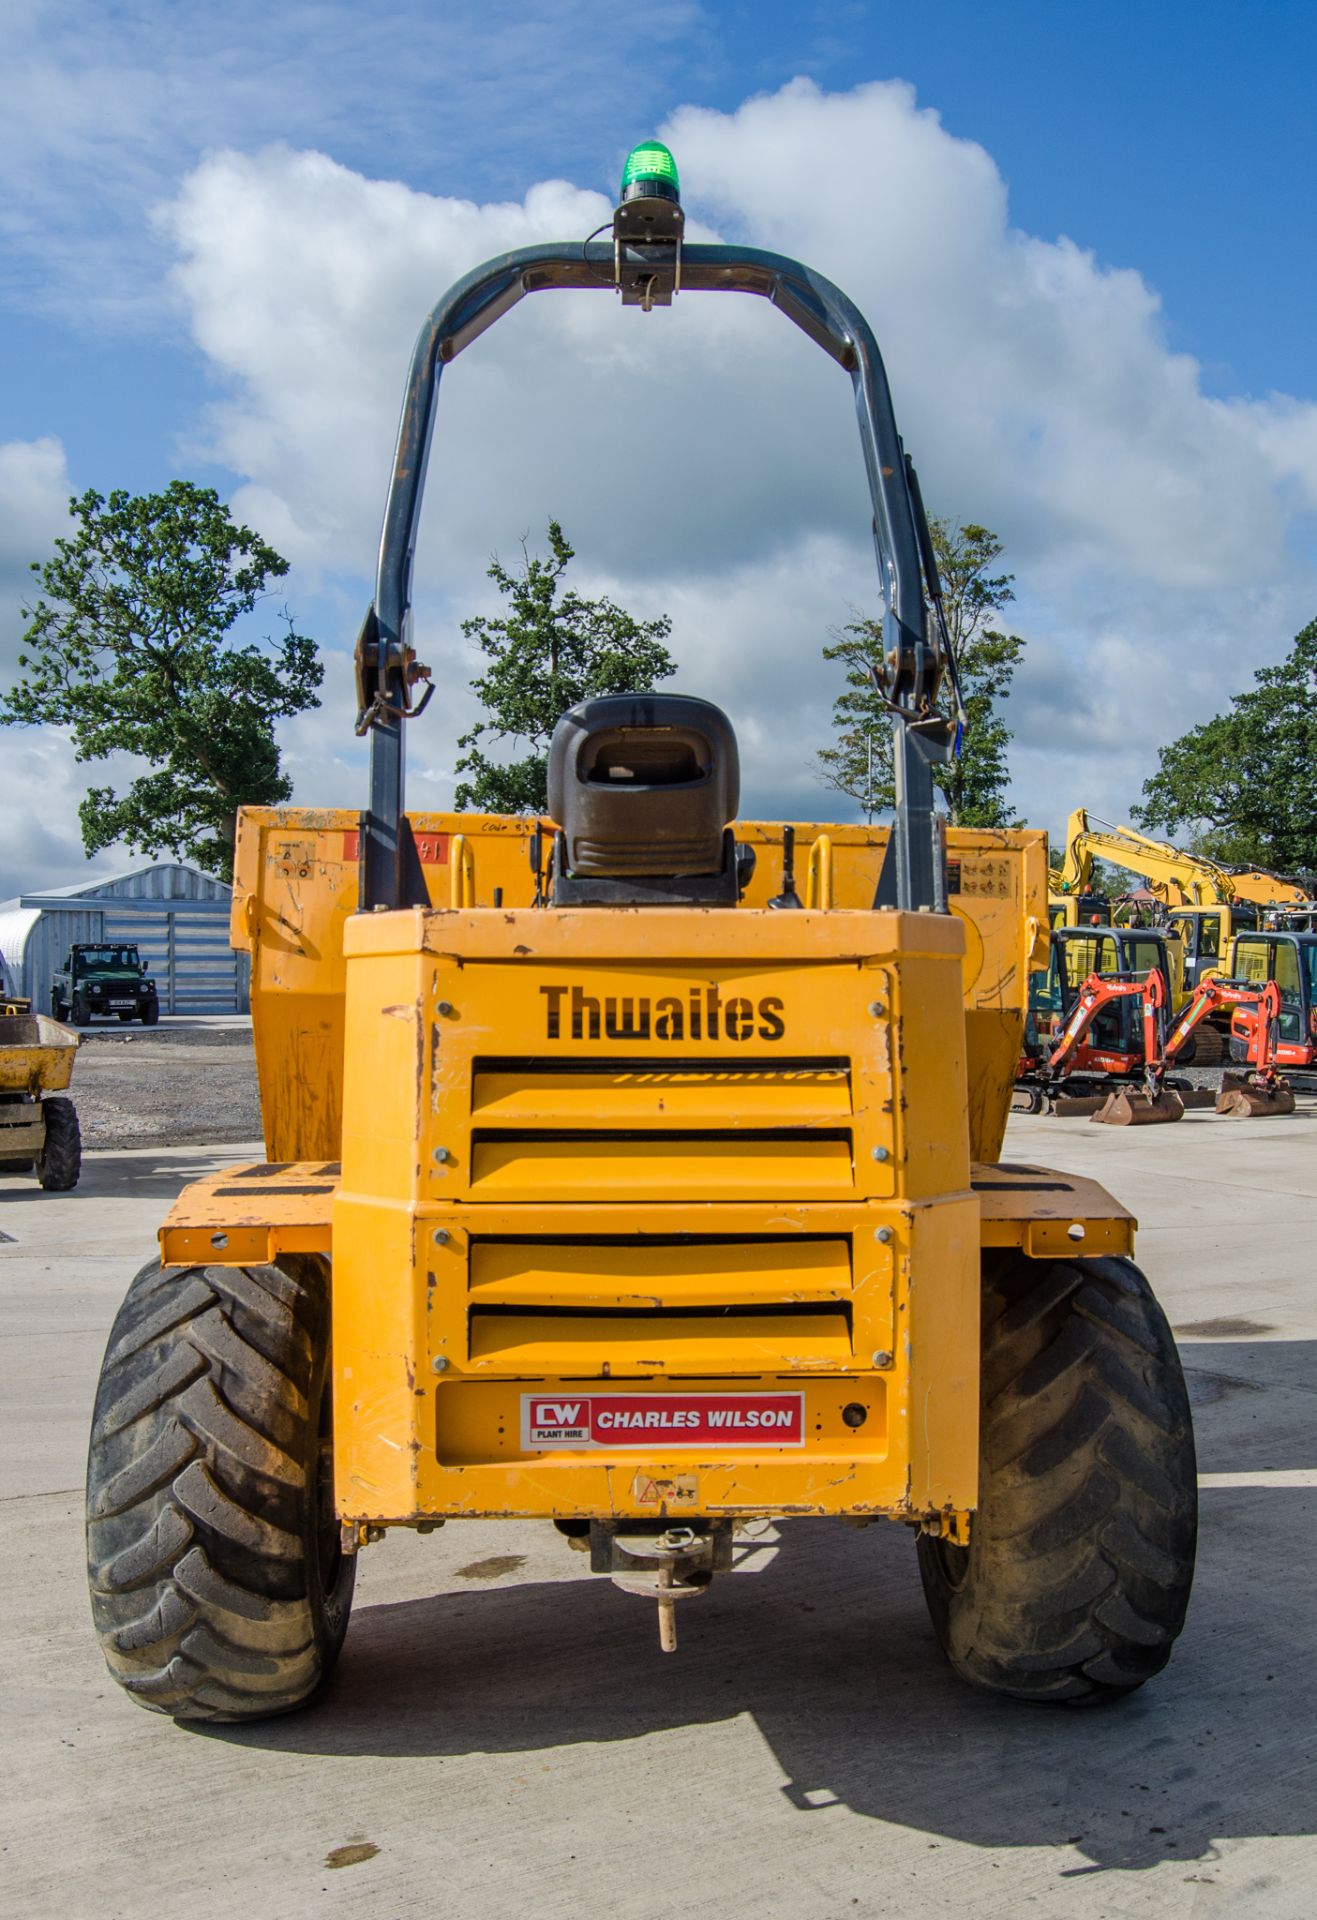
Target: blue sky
<point x="151" y="151"/>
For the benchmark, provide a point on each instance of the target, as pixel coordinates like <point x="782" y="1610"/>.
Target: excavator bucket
<point x="1135" y="1107"/>
<point x="1243" y="1099"/>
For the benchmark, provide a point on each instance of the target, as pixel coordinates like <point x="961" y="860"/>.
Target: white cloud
<point x="703" y="460"/>
<point x="34" y="501"/>
<point x="40" y="787"/>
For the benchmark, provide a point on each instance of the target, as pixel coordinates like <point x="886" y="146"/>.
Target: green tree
<point x="549" y="650"/>
<point x="131" y="648"/>
<point x="859" y="762"/>
<point x="1243" y="786"/>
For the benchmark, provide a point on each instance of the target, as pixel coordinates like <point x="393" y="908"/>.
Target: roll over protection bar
<point x="915" y="663"/>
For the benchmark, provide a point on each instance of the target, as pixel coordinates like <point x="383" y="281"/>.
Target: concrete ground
<point x="504" y="1736"/>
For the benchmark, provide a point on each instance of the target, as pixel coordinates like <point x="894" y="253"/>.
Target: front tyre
<point x="1076" y="1579"/>
<point x="218" y="1588"/>
<point x="81" y="1010"/>
<point x="150" y="1012"/>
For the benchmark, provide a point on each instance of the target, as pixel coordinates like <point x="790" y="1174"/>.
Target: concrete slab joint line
<point x="492" y="1737"/>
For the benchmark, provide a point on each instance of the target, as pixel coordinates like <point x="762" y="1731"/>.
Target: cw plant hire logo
<point x="700" y="1014"/>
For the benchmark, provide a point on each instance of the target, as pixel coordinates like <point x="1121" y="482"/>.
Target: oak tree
<point x="1242" y="787"/>
<point x="547" y="651"/>
<point x="859" y="761"/>
<point x="134" y="647"/>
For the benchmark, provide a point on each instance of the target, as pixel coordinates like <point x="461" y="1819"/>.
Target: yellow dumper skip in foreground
<point x="609" y="1183"/>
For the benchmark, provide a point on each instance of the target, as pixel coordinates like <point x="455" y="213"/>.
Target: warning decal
<point x="659" y="1420"/>
<point x="431" y="848"/>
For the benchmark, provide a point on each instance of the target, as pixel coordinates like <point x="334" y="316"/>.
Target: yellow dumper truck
<point x="612" y="1181"/>
<point x="39" y="1130"/>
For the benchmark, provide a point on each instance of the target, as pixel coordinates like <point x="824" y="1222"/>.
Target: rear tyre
<point x="218" y="1588"/>
<point x="150" y="1013"/>
<point x="1076" y="1579"/>
<point x="124" y="1018"/>
<point x="59" y="1163"/>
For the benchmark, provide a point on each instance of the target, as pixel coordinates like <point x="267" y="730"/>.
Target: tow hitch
<point x="665" y="1565"/>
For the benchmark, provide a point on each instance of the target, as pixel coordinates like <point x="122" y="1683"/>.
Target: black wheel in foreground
<point x="1076" y="1579"/>
<point x="218" y="1589"/>
<point x="81" y="1011"/>
<point x="150" y="1012"/>
<point x="59" y="1163"/>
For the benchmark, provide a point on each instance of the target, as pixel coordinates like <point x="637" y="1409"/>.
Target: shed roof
<point x="159" y="880"/>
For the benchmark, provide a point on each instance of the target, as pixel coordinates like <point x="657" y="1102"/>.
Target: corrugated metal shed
<point x="178" y="916"/>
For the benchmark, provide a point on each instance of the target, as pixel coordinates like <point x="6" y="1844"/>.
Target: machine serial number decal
<point x="650" y="1420"/>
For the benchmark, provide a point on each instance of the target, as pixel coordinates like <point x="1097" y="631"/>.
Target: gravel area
<point x="172" y="1085"/>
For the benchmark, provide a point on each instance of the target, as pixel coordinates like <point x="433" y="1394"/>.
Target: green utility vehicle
<point x="104" y="982"/>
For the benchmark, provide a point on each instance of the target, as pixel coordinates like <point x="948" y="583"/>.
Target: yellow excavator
<point x="1269" y="889"/>
<point x="1206" y="904"/>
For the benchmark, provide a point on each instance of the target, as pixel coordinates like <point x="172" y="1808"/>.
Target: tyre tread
<point x="1081" y="1556"/>
<point x="59" y="1164"/>
<point x="200" y="1488"/>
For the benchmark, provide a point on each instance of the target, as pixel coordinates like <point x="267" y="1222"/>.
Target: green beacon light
<point x="648" y="225"/>
<point x="650" y="173"/>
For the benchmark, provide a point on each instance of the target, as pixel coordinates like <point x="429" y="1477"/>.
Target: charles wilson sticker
<point x="660" y="1420"/>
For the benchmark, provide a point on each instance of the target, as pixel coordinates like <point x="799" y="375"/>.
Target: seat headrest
<point x="644" y="783"/>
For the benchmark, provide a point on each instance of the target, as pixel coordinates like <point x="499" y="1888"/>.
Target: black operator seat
<point x="643" y="788"/>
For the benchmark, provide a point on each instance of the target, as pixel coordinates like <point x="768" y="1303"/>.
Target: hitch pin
<point x="667" y="1613"/>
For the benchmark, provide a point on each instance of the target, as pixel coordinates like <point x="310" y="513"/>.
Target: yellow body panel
<point x="728" y="1242"/>
<point x="295" y="888"/>
<point x="645" y="1158"/>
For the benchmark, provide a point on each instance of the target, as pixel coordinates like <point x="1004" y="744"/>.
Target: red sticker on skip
<point x="656" y="1421"/>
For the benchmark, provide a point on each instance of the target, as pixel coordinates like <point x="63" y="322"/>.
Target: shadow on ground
<point x="830" y="1652"/>
<point x="144" y="1174"/>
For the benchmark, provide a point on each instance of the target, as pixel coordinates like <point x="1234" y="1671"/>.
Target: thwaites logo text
<point x="701" y="1013"/>
<point x="658" y="1422"/>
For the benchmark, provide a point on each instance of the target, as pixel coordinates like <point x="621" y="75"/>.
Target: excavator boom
<point x="1178" y="878"/>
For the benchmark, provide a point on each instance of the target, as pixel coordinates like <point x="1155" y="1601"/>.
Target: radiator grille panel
<point x="660" y="1166"/>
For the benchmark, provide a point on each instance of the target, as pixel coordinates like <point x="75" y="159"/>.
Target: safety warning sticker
<point x="659" y="1420"/>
